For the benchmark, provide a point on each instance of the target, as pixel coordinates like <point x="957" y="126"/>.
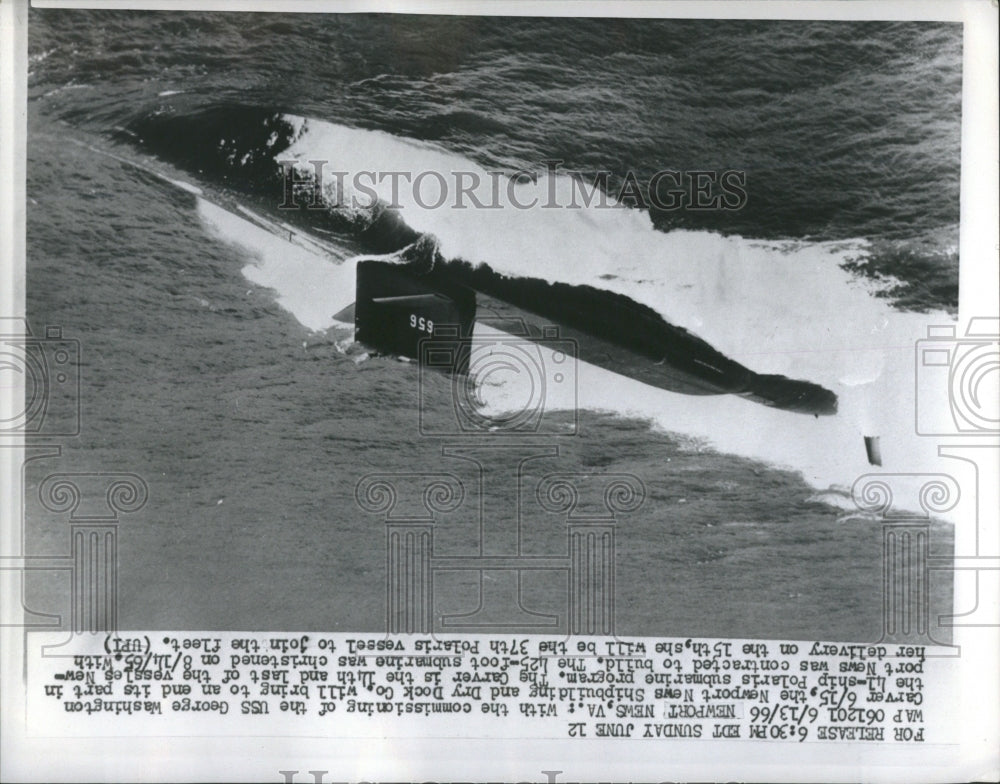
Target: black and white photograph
<point x="503" y="332"/>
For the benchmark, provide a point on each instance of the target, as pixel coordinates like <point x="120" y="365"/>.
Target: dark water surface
<point x="251" y="431"/>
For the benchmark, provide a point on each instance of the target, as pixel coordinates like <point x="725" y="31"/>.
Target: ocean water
<point x="213" y="366"/>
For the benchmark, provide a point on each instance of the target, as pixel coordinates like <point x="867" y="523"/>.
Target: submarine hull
<point x="606" y="329"/>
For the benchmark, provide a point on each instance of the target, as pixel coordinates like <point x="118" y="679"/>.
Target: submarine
<point x="419" y="295"/>
<point x="402" y="306"/>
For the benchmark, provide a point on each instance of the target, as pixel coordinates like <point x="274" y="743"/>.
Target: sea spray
<point x="776" y="307"/>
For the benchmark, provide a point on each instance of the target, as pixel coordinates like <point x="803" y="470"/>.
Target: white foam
<point x="310" y="285"/>
<point x="778" y="307"/>
<point x="827" y="450"/>
<point x="784" y="308"/>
